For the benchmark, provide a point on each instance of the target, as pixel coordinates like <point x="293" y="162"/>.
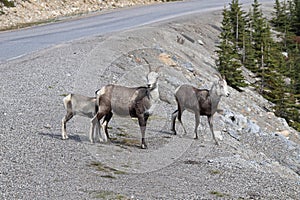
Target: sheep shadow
<point x="130" y="141"/>
<point x="75" y="138"/>
<point x="125" y="142"/>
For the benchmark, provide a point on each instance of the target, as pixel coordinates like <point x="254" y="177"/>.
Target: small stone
<point x="200" y="42"/>
<point x="47" y="126"/>
<point x="218" y="135"/>
<point x="284" y="133"/>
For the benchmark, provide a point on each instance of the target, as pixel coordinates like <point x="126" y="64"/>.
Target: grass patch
<point x="119" y="172"/>
<point x="192" y="162"/>
<point x="122" y="134"/>
<point x="156" y="117"/>
<point x="63" y="95"/>
<point x="108" y="176"/>
<point x="130" y="142"/>
<point x="215" y="171"/>
<point x="103" y="168"/>
<point x="109" y="195"/>
<point x="219" y="194"/>
<point x="121" y="129"/>
<point x="125" y="166"/>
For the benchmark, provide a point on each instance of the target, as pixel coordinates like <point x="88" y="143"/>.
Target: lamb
<point x="76" y="104"/>
<point x="200" y="102"/>
<point x="124" y="101"/>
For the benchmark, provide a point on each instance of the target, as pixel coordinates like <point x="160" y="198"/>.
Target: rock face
<point x="36" y="11"/>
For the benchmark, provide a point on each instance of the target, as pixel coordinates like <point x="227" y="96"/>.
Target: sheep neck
<point x="215" y="98"/>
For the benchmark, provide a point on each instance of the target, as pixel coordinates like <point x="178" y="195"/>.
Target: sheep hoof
<point x="173" y="132"/>
<point x="144" y="146"/>
<point x="196" y="138"/>
<point x="64" y="137"/>
<point x="104" y="140"/>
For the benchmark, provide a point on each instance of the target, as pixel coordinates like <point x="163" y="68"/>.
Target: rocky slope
<point x="32" y="12"/>
<point x="258" y="155"/>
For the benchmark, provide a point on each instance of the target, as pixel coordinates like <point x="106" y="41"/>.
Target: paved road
<point x="21" y="42"/>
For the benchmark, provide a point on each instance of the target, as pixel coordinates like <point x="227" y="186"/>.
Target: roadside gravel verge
<point x="37" y="164"/>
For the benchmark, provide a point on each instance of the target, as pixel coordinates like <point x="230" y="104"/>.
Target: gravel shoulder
<point x="37" y="164"/>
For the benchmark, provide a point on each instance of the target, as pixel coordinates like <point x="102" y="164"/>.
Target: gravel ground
<point x="37" y="164"/>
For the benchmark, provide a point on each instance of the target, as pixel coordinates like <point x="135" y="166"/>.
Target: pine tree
<point x="255" y="30"/>
<point x="281" y="16"/>
<point x="258" y="26"/>
<point x="296" y="23"/>
<point x="249" y="60"/>
<point x="262" y="56"/>
<point x="277" y="14"/>
<point x="237" y="18"/>
<point x="228" y="59"/>
<point x="286" y="20"/>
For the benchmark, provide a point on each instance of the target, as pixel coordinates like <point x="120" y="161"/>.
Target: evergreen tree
<point x="265" y="53"/>
<point x="280" y="16"/>
<point x="271" y="83"/>
<point x="296" y="78"/>
<point x="286" y="20"/>
<point x="255" y="30"/>
<point x="249" y="60"/>
<point x="277" y="14"/>
<point x="228" y="59"/>
<point x="258" y="28"/>
<point x="296" y="23"/>
<point x="237" y="18"/>
<point x="278" y="76"/>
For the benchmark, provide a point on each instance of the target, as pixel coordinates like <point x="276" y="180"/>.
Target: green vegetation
<point x="109" y="195"/>
<point x="219" y="194"/>
<point x="103" y="168"/>
<point x="216" y="171"/>
<point x="247" y="41"/>
<point x="7" y="3"/>
<point x="228" y="63"/>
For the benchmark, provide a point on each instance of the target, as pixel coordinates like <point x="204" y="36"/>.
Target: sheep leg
<point x="173" y="121"/>
<point x="197" y="121"/>
<point x="142" y="124"/>
<point x="180" y="121"/>
<point x="105" y="123"/>
<point x="95" y="120"/>
<point x="210" y="118"/>
<point x="180" y="111"/>
<point x="98" y="130"/>
<point x="64" y="121"/>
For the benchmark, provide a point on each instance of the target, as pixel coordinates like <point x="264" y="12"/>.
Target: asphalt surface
<point x="18" y="43"/>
